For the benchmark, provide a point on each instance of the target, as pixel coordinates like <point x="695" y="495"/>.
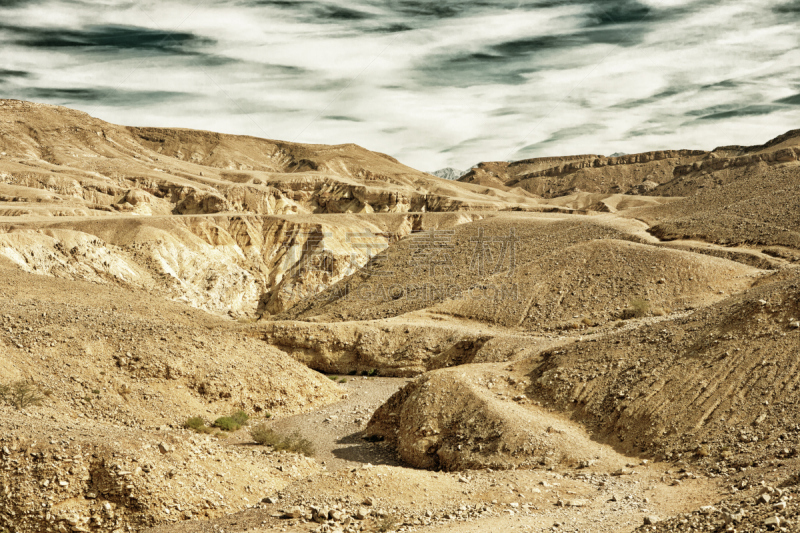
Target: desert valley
<point x="203" y="332"/>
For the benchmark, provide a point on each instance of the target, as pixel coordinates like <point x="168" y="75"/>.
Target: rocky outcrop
<point x="714" y="162"/>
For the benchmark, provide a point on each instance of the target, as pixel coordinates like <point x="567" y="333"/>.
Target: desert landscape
<point x="202" y="332"/>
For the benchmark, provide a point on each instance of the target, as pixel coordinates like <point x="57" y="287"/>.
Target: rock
<point x="361" y="513"/>
<point x="293" y="512"/>
<point x="773" y="521"/>
<point x="577" y="502"/>
<point x="764" y="498"/>
<point x="269" y="500"/>
<point x="319" y="514"/>
<point x="163" y="447"/>
<point x="795" y="325"/>
<point x="650" y="520"/>
<point x="368" y="501"/>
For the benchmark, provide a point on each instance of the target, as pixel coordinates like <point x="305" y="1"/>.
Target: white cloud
<point x="450" y="91"/>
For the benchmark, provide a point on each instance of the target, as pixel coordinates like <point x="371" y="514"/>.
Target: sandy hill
<point x="521" y="272"/>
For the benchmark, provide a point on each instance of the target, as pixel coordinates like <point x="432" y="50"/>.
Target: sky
<point x="434" y="83"/>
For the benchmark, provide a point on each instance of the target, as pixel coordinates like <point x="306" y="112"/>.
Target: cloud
<point x="753" y="110"/>
<point x="342" y="118"/>
<point x="109" y="97"/>
<point x="7" y="74"/>
<point x="433" y="83"/>
<point x="106" y="37"/>
<point x="791" y="100"/>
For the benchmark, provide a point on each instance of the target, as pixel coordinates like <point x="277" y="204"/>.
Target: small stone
<point x="269" y="500"/>
<point x="293" y="512"/>
<point x="368" y="501"/>
<point x="795" y="325"/>
<point x="362" y="513"/>
<point x="650" y="520"/>
<point x="773" y="521"/>
<point x="163" y="447"/>
<point x="764" y="498"/>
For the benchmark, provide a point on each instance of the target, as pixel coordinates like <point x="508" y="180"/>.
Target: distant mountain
<point x="448" y="173"/>
<point x="617" y="154"/>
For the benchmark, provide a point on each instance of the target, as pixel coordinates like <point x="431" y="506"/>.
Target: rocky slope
<point x="118" y="373"/>
<point x="718" y="385"/>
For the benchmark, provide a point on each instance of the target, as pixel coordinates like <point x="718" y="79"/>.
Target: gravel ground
<point x="336" y="429"/>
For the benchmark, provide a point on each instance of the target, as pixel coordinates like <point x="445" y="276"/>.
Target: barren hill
<point x="83" y="166"/>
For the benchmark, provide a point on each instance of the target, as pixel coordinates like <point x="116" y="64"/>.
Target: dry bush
<point x="20" y="394"/>
<point x="658" y="311"/>
<point x="638" y="308"/>
<point x="294" y="443"/>
<point x="386" y="524"/>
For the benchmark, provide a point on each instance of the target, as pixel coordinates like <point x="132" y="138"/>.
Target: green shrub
<point x="226" y="423"/>
<point x="194" y="422"/>
<point x="233" y="422"/>
<point x="20" y="394"/>
<point x="332" y="378"/>
<point x="197" y="424"/>
<point x="294" y="443"/>
<point x="240" y="417"/>
<point x="343" y="380"/>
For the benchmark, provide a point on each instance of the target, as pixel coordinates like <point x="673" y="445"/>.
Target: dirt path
<point x="336" y="428"/>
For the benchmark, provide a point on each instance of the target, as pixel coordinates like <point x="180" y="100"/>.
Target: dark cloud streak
<point x="107" y="37"/>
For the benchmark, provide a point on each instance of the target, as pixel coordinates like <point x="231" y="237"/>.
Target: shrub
<point x="240" y="417"/>
<point x="332" y="378"/>
<point x="194" y="422"/>
<point x="20" y="394"/>
<point x="233" y="422"/>
<point x="294" y="443"/>
<point x="343" y="380"/>
<point x="638" y="308"/>
<point x="226" y="423"/>
<point x="197" y="424"/>
<point x="386" y="524"/>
